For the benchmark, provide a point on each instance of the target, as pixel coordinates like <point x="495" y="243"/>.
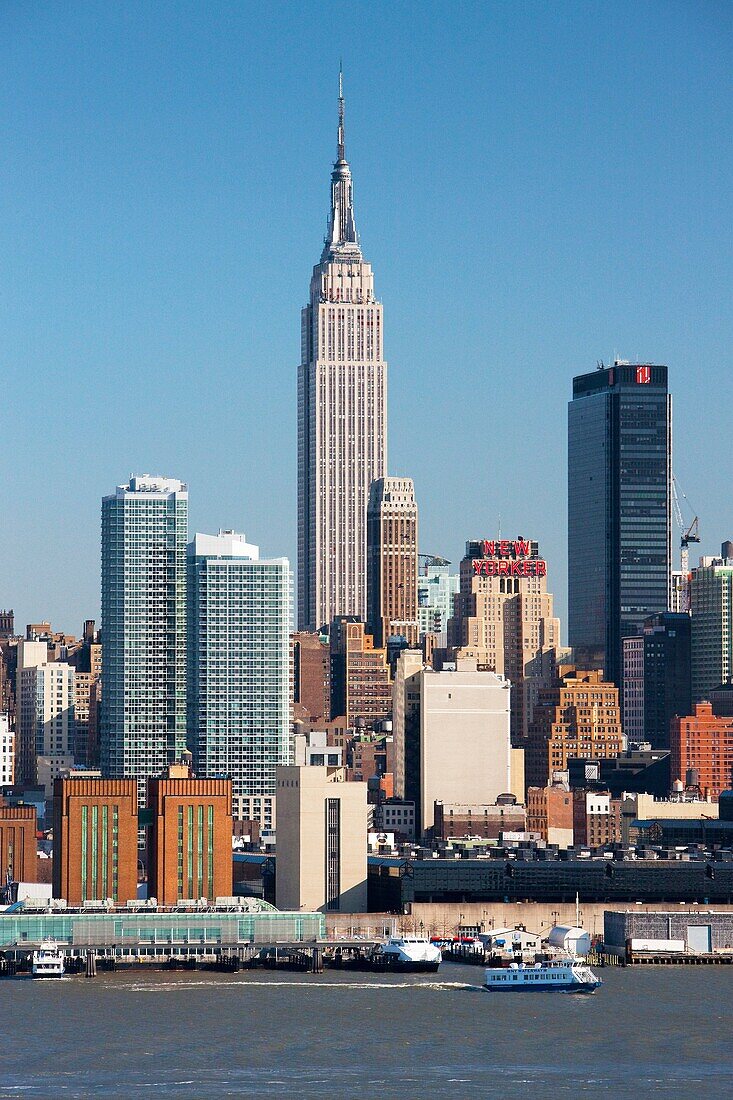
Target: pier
<point x="305" y="958"/>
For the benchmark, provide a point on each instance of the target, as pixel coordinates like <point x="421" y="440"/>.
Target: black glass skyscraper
<point x="619" y="507"/>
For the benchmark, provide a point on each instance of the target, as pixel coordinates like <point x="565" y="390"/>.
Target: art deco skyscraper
<point x="504" y="619"/>
<point x="392" y="560"/>
<point x="342" y="415"/>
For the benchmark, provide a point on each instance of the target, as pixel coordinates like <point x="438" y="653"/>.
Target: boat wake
<point x="235" y="986"/>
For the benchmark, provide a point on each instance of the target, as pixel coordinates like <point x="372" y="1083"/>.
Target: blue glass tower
<point x="619" y="508"/>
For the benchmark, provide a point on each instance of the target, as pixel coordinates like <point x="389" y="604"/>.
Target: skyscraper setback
<point x="342" y="414"/>
<point x="392" y="560"/>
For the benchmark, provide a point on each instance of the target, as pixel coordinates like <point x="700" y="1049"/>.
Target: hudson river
<point x="646" y="1032"/>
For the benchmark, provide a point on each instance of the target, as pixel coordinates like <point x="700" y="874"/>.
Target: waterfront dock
<point x="300" y="956"/>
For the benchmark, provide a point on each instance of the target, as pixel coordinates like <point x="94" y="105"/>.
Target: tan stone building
<point x="361" y="687"/>
<point x="321" y="841"/>
<point x="578" y="717"/>
<point x="504" y="619"/>
<point x="95" y="840"/>
<point x="392" y="560"/>
<point x="452" y="728"/>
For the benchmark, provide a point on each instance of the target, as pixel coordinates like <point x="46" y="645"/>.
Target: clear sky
<point x="539" y="186"/>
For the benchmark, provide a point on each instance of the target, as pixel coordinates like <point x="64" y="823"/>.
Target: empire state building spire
<point x="342" y="415"/>
<point x="341" y="239"/>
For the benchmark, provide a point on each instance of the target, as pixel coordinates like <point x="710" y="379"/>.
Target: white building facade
<point x="633" y="688"/>
<point x="7" y="752"/>
<point x="711" y="597"/>
<point x="342" y="415"/>
<point x="239" y="621"/>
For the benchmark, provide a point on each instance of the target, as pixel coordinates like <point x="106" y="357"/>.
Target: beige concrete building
<point x="45" y="716"/>
<point x="405" y="713"/>
<point x="392" y="560"/>
<point x="452" y="728"/>
<point x="504" y="619"/>
<point x="645" y="807"/>
<point x="321" y="841"/>
<point x="342" y="415"/>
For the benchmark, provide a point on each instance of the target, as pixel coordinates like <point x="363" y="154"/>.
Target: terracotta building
<point x="392" y="560"/>
<point x="311" y="682"/>
<point x="504" y="619"/>
<point x="703" y="741"/>
<point x="95" y="840"/>
<point x="361" y="687"/>
<point x="190" y="837"/>
<point x="550" y="814"/>
<point x="18" y="843"/>
<point x="579" y="716"/>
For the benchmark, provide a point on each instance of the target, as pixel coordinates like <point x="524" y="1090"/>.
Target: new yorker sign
<point x="507" y="558"/>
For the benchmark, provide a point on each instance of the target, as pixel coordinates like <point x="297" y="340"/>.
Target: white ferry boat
<point x="409" y="953"/>
<point x="47" y="961"/>
<point x="564" y="975"/>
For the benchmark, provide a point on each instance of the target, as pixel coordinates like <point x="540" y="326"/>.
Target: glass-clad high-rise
<point x="619" y="507"/>
<point x="240" y="609"/>
<point x="143" y="712"/>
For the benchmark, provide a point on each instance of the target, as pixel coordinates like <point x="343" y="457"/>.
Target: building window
<point x="333" y="853"/>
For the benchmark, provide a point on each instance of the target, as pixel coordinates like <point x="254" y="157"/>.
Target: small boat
<point x="563" y="975"/>
<point x="408" y="953"/>
<point x="47" y="961"/>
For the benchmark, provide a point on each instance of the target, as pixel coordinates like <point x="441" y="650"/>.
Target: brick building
<point x="95" y="840"/>
<point x="703" y="741"/>
<point x="190" y="837"/>
<point x="17" y="843"/>
<point x="550" y="814"/>
<point x="361" y="687"/>
<point x="311" y="682"/>
<point x="596" y="818"/>
<point x="456" y="820"/>
<point x="580" y="717"/>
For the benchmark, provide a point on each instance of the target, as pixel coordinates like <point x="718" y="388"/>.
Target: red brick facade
<point x="95" y="840"/>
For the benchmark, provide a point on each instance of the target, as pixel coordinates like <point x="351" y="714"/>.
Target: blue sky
<point x="538" y="186"/>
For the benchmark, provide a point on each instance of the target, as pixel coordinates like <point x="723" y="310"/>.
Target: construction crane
<point x="432" y="559"/>
<point x="689" y="534"/>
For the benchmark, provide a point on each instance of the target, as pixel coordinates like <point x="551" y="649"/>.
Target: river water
<point x="646" y="1032"/>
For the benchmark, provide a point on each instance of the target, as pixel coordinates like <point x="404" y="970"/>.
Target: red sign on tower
<point x="643" y="375"/>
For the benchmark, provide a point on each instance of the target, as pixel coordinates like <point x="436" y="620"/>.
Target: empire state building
<point x="342" y="415"/>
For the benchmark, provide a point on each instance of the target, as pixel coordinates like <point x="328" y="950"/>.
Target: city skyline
<point x="97" y="333"/>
